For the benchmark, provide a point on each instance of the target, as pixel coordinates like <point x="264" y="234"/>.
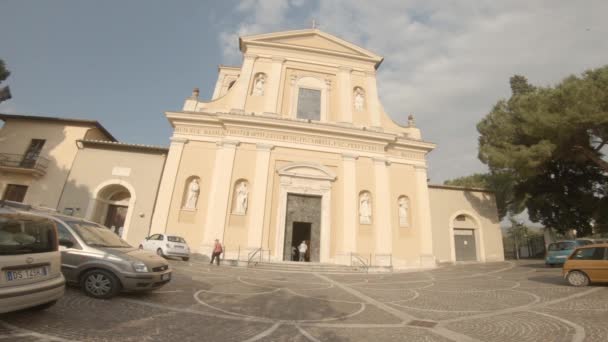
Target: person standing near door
<point x="302" y="248"/>
<point x="217" y="251"/>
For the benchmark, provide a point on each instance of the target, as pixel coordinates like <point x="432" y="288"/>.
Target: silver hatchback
<point x="101" y="263"/>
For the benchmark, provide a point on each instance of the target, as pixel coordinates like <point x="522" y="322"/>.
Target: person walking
<point x="217" y="251"/>
<point x="302" y="248"/>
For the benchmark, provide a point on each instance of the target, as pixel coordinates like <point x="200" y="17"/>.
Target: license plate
<point x="30" y="273"/>
<point x="165" y="276"/>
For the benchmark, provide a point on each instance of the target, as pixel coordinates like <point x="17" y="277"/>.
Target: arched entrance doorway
<point x="112" y="206"/>
<point x="467" y="242"/>
<point x="304" y="211"/>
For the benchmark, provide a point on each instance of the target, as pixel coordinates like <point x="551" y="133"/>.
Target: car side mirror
<point x="66" y="243"/>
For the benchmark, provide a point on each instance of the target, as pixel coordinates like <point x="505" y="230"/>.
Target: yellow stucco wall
<point x="95" y="169"/>
<point x="446" y="204"/>
<point x="59" y="148"/>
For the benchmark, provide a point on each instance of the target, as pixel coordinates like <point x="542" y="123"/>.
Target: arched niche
<point x="240" y="197"/>
<point x="403" y="211"/>
<point x="365" y="207"/>
<point x="191" y="193"/>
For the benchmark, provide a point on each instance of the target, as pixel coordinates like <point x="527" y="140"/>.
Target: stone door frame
<point x="305" y="179"/>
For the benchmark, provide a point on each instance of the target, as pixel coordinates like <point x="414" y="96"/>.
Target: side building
<point x="77" y="168"/>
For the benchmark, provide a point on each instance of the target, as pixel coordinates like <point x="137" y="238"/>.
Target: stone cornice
<point x="219" y="123"/>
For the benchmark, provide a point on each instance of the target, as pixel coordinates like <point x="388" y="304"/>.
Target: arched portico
<point x="112" y="204"/>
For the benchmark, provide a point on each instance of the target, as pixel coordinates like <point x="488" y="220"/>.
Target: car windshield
<point x="25" y="236"/>
<point x="176" y="239"/>
<point x="96" y="235"/>
<point x="561" y="246"/>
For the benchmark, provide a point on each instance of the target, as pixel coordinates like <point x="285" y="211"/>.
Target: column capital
<point x="381" y="161"/>
<point x="179" y="140"/>
<point x="350" y="156"/>
<point x="278" y="59"/>
<point x="264" y="147"/>
<point x="250" y="56"/>
<point x="343" y="68"/>
<point x="227" y="143"/>
<point x="420" y="168"/>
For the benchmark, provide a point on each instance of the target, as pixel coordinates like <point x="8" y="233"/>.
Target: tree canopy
<point x="5" y="93"/>
<point x="551" y="141"/>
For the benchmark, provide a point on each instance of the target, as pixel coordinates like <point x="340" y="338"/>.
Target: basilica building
<point x="294" y="146"/>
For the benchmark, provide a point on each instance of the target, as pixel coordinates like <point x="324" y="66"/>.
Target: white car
<point x="166" y="245"/>
<point x="30" y="262"/>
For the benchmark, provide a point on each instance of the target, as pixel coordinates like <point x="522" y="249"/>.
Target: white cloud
<point x="449" y="62"/>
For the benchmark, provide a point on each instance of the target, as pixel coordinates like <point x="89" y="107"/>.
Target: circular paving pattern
<point x="477" y="302"/>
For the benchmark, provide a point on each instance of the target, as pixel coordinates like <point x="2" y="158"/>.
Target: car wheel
<point x="44" y="306"/>
<point x="185" y="258"/>
<point x="100" y="284"/>
<point x="159" y="252"/>
<point x="577" y="278"/>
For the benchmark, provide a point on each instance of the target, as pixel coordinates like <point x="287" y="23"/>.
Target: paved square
<point x="479" y="302"/>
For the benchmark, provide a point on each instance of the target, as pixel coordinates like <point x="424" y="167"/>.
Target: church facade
<point x="295" y="146"/>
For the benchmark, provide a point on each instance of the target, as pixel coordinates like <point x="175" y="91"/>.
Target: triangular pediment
<point x="311" y="39"/>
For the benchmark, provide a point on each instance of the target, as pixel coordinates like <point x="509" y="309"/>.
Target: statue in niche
<point x="193" y="192"/>
<point x="258" y="85"/>
<point x="359" y="99"/>
<point x="403" y="212"/>
<point x="365" y="209"/>
<point x="241" y="199"/>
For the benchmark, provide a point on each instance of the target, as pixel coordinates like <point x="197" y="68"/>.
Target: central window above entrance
<point x="309" y="104"/>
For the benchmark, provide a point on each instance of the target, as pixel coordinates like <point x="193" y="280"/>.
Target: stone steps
<point x="314" y="267"/>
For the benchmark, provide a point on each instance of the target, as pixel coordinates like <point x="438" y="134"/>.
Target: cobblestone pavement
<point x="478" y="302"/>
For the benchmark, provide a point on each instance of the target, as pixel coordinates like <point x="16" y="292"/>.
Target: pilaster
<point x="167" y="186"/>
<point x="217" y="209"/>
<point x="423" y="219"/>
<point x="273" y="84"/>
<point x="241" y="87"/>
<point x="258" y="200"/>
<point x="349" y="203"/>
<point x="346" y="92"/>
<point x="372" y="98"/>
<point x="382" y="208"/>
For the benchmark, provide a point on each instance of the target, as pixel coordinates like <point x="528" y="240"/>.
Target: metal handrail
<point x="390" y="258"/>
<point x="362" y="261"/>
<point x="252" y="254"/>
<point x="23" y="161"/>
<point x="260" y="253"/>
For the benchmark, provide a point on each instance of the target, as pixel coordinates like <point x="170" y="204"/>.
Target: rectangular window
<point x="15" y="192"/>
<point x="309" y="104"/>
<point x="589" y="254"/>
<point x="23" y="235"/>
<point x="32" y="153"/>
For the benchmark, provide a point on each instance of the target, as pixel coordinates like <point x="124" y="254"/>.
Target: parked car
<point x="586" y="265"/>
<point x="30" y="262"/>
<point x="558" y="252"/>
<point x="166" y="246"/>
<point x="101" y="263"/>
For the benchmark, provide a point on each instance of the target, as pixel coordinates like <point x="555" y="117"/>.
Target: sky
<point x="124" y="63"/>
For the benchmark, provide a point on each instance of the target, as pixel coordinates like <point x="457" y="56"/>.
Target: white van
<point x="30" y="262"/>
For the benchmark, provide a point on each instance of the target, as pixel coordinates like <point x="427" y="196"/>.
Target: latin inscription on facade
<point x="277" y="136"/>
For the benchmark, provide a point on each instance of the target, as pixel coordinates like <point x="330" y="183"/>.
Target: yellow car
<point x="588" y="264"/>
